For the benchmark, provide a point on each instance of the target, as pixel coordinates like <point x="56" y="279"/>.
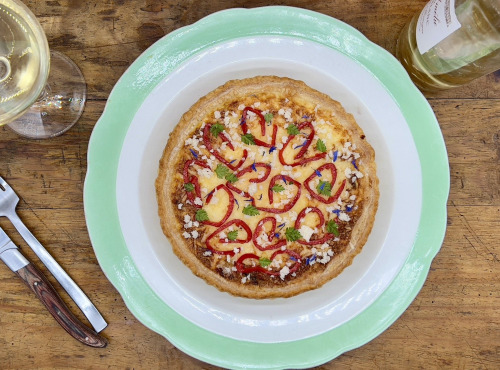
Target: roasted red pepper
<point x="321" y="223"/>
<point x="230" y="206"/>
<point x="302" y="150"/>
<point x="262" y="122"/>
<point x="236" y="222"/>
<point x="333" y="171"/>
<point x="208" y="143"/>
<point x="241" y="267"/>
<point x="253" y="167"/>
<point x="287" y="207"/>
<point x="260" y="228"/>
<point x="191" y="195"/>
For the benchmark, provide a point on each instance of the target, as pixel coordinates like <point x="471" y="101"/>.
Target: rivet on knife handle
<point x="46" y="293"/>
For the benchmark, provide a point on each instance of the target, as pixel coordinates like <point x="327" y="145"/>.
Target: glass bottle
<point x="451" y="42"/>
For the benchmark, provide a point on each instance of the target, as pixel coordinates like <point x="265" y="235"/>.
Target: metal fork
<point x="8" y="203"/>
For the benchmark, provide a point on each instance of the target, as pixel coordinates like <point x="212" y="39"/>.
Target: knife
<point x="39" y="284"/>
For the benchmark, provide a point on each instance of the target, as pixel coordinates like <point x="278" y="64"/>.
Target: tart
<point x="267" y="188"/>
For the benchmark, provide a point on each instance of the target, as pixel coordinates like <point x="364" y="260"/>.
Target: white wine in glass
<point x="42" y="93"/>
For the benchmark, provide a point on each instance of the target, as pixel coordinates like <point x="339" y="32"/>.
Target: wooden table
<point x="454" y="322"/>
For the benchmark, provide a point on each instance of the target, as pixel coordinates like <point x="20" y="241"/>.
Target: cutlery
<point x="39" y="284"/>
<point x="8" y="203"/>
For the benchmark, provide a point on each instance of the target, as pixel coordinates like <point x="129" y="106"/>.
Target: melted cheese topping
<point x="286" y="116"/>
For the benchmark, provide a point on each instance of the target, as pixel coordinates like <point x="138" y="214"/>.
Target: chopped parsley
<point x="216" y="129"/>
<point x="292" y="234"/>
<point x="248" y="139"/>
<point x="278" y="188"/>
<point x="232" y="235"/>
<point x="320" y="146"/>
<point x="264" y="262"/>
<point x="201" y="215"/>
<point x="221" y="171"/>
<point x="268" y="117"/>
<point x="231" y="177"/>
<point x="332" y="228"/>
<point x="188" y="186"/>
<point x="324" y="188"/>
<point x="250" y="210"/>
<point x="293" y="130"/>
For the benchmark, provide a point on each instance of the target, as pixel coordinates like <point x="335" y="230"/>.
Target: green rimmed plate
<point x="169" y="56"/>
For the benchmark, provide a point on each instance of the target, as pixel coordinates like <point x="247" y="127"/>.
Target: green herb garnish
<point x="324" y="188"/>
<point x="231" y="177"/>
<point x="188" y="186"/>
<point x="332" y="228"/>
<point x="264" y="262"/>
<point x="248" y="139"/>
<point x="232" y="235"/>
<point x="221" y="171"/>
<point x="216" y="129"/>
<point x="250" y="210"/>
<point x="201" y="215"/>
<point x="268" y="117"/>
<point x="292" y="234"/>
<point x="278" y="188"/>
<point x="320" y="146"/>
<point x="292" y="130"/>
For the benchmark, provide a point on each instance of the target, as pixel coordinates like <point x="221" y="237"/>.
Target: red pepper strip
<point x="262" y="121"/>
<point x="259" y="229"/>
<point x="193" y="179"/>
<point x="270" y="194"/>
<point x="216" y="153"/>
<point x="267" y="169"/>
<point x="321" y="222"/>
<point x="236" y="222"/>
<point x="229" y="207"/>
<point x="302" y="150"/>
<point x="333" y="170"/>
<point x="240" y="266"/>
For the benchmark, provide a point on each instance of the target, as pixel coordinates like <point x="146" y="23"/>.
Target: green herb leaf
<point x="332" y="228"/>
<point x="188" y="186"/>
<point x="216" y="129"/>
<point x="250" y="210"/>
<point x="320" y="146"/>
<point x="264" y="262"/>
<point x="231" y="177"/>
<point x="278" y="188"/>
<point x="324" y="188"/>
<point x="248" y="139"/>
<point x="268" y="117"/>
<point x="232" y="235"/>
<point x="221" y="171"/>
<point x="201" y="215"/>
<point x="292" y="234"/>
<point x="292" y="130"/>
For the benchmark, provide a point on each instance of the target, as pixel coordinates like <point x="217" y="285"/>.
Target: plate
<point x="127" y="142"/>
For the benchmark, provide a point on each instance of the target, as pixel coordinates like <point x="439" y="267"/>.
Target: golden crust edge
<point x="165" y="205"/>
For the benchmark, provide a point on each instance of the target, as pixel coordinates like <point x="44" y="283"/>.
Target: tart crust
<point x="272" y="93"/>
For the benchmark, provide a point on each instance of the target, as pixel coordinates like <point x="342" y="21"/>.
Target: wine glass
<point x="42" y="92"/>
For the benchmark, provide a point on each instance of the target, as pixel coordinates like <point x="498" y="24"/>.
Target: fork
<point x="8" y="204"/>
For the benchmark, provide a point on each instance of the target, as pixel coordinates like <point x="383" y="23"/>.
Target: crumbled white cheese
<point x="195" y="234"/>
<point x="306" y="232"/>
<point x="344" y="216"/>
<point x="186" y="235"/>
<point x="198" y="201"/>
<point x="217" y="114"/>
<point x="207" y="253"/>
<point x="180" y="205"/>
<point x="284" y="272"/>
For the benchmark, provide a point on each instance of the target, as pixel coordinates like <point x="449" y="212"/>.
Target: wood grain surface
<point x="453" y="323"/>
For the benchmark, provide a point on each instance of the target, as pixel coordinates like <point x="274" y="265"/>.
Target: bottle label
<point x="436" y="22"/>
